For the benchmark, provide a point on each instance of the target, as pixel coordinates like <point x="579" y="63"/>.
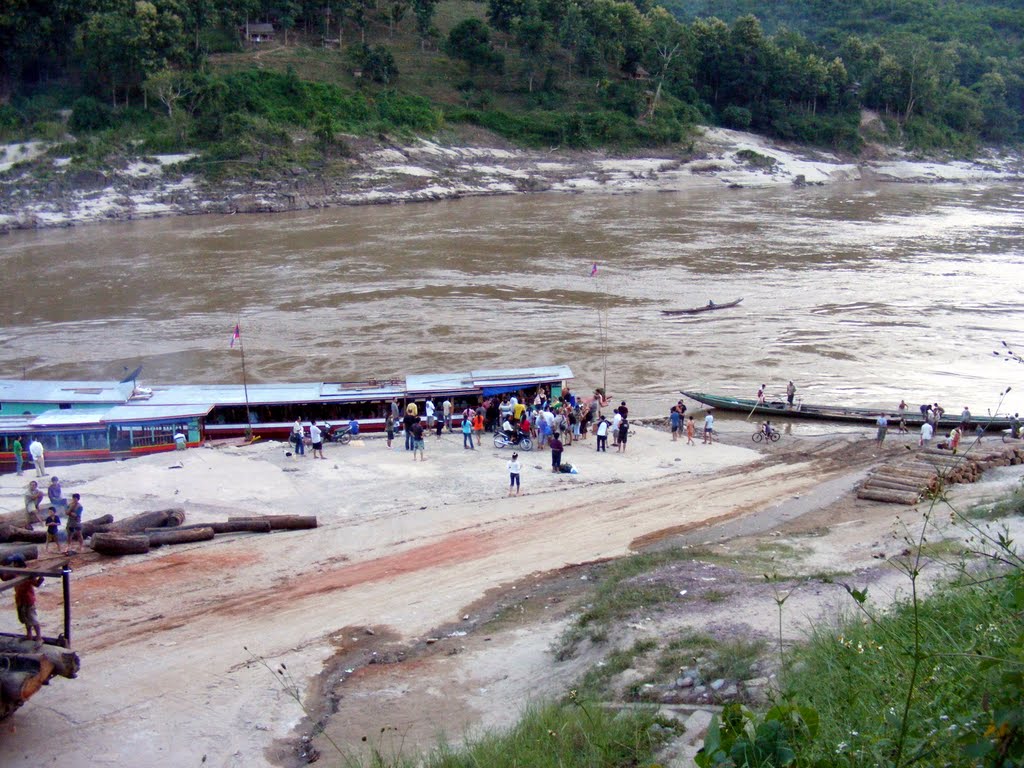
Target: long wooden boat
<point x="100" y="421"/>
<point x="709" y="307"/>
<point x="780" y="409"/>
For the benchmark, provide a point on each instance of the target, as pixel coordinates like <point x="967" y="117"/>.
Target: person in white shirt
<point x="514" y="469"/>
<point x="430" y="414"/>
<point x="602" y="435"/>
<point x="709" y="429"/>
<point x="926" y="434"/>
<point x="616" y="422"/>
<point x="35" y="448"/>
<point x="180" y="441"/>
<point x="316" y="438"/>
<point x="446" y="409"/>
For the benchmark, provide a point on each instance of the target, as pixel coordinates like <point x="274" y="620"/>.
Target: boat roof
<point x="31" y="391"/>
<point x="199" y="399"/>
<point x="65" y="418"/>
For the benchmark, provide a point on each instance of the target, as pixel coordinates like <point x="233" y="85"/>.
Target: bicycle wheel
<point x="757" y="437"/>
<point x="525" y="444"/>
<point x="499" y="440"/>
<point x="775" y="437"/>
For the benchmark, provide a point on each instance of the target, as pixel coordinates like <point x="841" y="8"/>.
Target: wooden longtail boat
<point x="779" y="409"/>
<point x="709" y="307"/>
<point x="80" y="421"/>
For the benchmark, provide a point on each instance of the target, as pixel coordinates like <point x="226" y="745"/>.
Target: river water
<point x="860" y="294"/>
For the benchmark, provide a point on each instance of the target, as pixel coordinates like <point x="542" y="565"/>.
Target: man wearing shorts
<point x="316" y="440"/>
<point x="709" y="429"/>
<point x="74" y="524"/>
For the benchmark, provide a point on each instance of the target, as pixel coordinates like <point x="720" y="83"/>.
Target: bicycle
<point x="758" y="436"/>
<point x="523" y="442"/>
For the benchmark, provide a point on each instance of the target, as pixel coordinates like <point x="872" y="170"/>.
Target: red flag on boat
<point x="593" y="269"/>
<point x="236" y="336"/>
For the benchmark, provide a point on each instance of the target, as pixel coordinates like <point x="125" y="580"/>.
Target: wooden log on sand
<point x="875" y="482"/>
<point x="914" y="480"/>
<point x="18" y="685"/>
<point x="176" y="535"/>
<point x="27" y="551"/>
<point x="15" y="533"/>
<point x="26" y="667"/>
<point x="248" y="525"/>
<point x="914" y="469"/>
<point x="89" y="527"/>
<point x="283" y="522"/>
<point x="887" y="495"/>
<point x="120" y="544"/>
<point x="65" y="661"/>
<point x="140" y="522"/>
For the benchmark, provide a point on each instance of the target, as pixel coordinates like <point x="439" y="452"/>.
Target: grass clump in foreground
<point x="934" y="681"/>
<point x="568" y="735"/>
<point x="857" y="680"/>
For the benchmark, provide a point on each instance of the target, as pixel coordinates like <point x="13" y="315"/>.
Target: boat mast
<point x="245" y="383"/>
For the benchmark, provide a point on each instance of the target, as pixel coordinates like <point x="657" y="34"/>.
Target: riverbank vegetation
<point x="260" y="85"/>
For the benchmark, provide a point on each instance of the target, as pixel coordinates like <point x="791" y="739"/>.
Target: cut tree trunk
<point x="283" y="522"/>
<point x="14" y="533"/>
<point x="140" y="522"/>
<point x="890" y="496"/>
<point x="92" y="526"/>
<point x="178" y="536"/>
<point x="248" y="525"/>
<point x="877" y="482"/>
<point x="120" y="544"/>
<point x="27" y="551"/>
<point x="25" y="668"/>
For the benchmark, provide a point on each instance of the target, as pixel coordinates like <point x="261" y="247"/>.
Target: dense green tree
<point x="424" y="12"/>
<point x="470" y="40"/>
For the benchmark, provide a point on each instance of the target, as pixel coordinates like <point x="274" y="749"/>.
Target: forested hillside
<point x="264" y="83"/>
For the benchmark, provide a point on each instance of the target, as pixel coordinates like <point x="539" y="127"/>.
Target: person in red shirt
<point x="25" y="599"/>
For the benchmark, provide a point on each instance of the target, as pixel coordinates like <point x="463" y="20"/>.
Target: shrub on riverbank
<point x="932" y="684"/>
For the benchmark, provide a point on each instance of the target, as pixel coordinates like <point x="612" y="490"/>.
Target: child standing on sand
<point x="514" y="468"/>
<point x="52" y="530"/>
<point x="690" y="429"/>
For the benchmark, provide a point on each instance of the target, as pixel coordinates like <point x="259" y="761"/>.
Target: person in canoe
<point x="711" y="304"/>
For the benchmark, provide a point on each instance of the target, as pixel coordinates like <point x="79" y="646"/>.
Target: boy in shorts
<point x="52" y="529"/>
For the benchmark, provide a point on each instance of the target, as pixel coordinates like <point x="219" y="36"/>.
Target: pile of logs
<point x="25" y="667"/>
<point x="137" y="535"/>
<point x="930" y="468"/>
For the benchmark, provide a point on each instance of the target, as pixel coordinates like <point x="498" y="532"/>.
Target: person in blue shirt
<point x="353" y="427"/>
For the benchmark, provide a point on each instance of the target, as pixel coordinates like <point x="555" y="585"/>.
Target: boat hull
<point x="852" y="415"/>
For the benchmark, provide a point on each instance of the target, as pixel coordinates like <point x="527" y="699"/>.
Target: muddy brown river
<point x="861" y="294"/>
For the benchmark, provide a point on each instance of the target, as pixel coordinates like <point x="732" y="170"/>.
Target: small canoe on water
<point x="780" y="409"/>
<point x="709" y="307"/>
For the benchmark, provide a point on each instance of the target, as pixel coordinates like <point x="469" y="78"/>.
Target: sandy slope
<point x="403" y="547"/>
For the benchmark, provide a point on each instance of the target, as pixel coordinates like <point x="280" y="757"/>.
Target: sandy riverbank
<point x="405" y="550"/>
<point x="40" y="192"/>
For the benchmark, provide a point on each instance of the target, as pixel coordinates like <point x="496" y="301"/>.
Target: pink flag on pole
<point x="236" y="336"/>
<point x="593" y="269"/>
